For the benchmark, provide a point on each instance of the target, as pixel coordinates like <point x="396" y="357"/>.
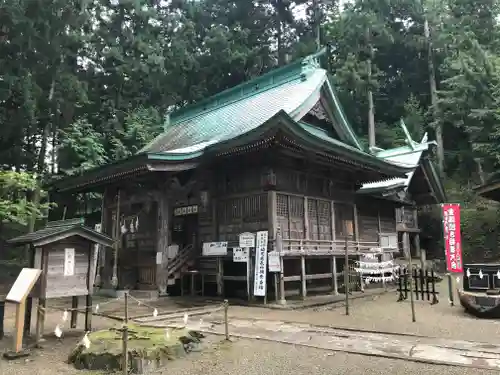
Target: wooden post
<point x="346" y="275"/>
<point x="226" y="319"/>
<point x="356" y="226"/>
<point x="125" y="349"/>
<point x="42" y="302"/>
<point x="407" y="250"/>
<point x="90" y="287"/>
<point x="303" y="276"/>
<point x="282" y="281"/>
<point x="276" y="287"/>
<point x="163" y="243"/>
<point x="126" y="307"/>
<point x="116" y="237"/>
<point x="20" y="316"/>
<point x="306" y="219"/>
<point x="248" y="264"/>
<point x="334" y="277"/>
<point x="74" y="311"/>
<point x="220" y="276"/>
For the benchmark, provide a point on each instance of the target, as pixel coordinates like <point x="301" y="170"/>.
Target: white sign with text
<point x="259" y="286"/>
<point x="240" y="255"/>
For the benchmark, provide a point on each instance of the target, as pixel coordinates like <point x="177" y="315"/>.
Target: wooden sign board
<point x="18" y="293"/>
<point x="22" y="286"/>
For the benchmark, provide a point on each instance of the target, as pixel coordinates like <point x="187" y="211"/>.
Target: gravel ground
<point x="263" y="358"/>
<point x="384" y="313"/>
<point x="258" y="357"/>
<point x="252" y="357"/>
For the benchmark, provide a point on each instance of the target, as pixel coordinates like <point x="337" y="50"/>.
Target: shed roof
<point x="58" y="230"/>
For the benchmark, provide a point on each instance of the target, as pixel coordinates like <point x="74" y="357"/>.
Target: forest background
<point x="87" y="82"/>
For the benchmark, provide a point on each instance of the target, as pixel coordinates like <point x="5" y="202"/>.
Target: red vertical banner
<point x="452" y="239"/>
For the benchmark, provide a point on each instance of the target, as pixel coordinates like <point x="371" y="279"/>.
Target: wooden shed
<point x="66" y="252"/>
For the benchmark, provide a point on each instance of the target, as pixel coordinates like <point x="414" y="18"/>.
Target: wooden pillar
<point x="90" y="290"/>
<point x="42" y="256"/>
<point x="105" y="261"/>
<point x="282" y="281"/>
<point x="272" y="214"/>
<point x="420" y="253"/>
<point x="303" y="276"/>
<point x="163" y="241"/>
<point x="335" y="286"/>
<point x="117" y="237"/>
<point x="356" y="227"/>
<point x="306" y="220"/>
<point x="74" y="312"/>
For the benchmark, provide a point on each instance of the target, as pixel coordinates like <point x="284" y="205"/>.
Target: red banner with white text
<point x="452" y="239"/>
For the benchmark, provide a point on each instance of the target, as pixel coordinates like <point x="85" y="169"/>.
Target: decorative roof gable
<point x="410" y="156"/>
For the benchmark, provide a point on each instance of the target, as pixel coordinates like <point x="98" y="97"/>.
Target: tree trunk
<point x="371" y="106"/>
<point x="434" y="98"/>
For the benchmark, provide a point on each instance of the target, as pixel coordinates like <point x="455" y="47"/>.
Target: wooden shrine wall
<point x="137" y="259"/>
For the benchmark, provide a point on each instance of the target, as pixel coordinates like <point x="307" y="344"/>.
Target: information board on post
<point x="452" y="238"/>
<point x="240" y="254"/>
<point x="214" y="249"/>
<point x="247" y="239"/>
<point x="259" y="286"/>
<point x="274" y="263"/>
<point x="22" y="286"/>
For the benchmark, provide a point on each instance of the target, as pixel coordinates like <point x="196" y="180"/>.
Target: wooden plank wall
<point x="368" y="222"/>
<point x="59" y="285"/>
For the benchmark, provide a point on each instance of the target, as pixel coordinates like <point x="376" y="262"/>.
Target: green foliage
<point x="91" y="82"/>
<point x="15" y="203"/>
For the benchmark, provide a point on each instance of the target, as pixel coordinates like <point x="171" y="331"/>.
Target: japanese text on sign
<point x="69" y="262"/>
<point x="452" y="239"/>
<point x="240" y="255"/>
<point x="259" y="286"/>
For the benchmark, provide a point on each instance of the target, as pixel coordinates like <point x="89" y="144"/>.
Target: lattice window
<point x="325" y="220"/>
<point x="296" y="217"/>
<point x="282" y="213"/>
<point x="312" y="216"/>
<point x="344" y="218"/>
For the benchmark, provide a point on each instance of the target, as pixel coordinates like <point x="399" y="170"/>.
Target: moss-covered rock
<point x="148" y="348"/>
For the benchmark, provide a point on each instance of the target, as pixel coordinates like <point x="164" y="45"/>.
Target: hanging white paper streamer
<point x="367" y="269"/>
<point x="481" y="274"/>
<point x="155" y="313"/>
<point x="186" y="317"/>
<point x="97" y="308"/>
<point x="86" y="341"/>
<point x="65" y="316"/>
<point x="375" y="264"/>
<point x="58" y="331"/>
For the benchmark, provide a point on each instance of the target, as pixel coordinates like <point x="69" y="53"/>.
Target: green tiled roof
<point x="295" y="89"/>
<point x="55" y="229"/>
